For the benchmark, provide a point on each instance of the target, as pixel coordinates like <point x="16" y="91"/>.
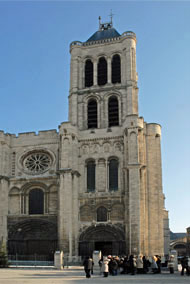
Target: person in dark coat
<point x="145" y="264"/>
<point x="88" y="264"/>
<point x="133" y="264"/>
<point x="125" y="265"/>
<point x="158" y="262"/>
<point x="184" y="264"/>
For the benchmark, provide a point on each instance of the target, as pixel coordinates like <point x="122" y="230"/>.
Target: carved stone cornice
<point x="133" y="166"/>
<point x="101" y="139"/>
<point x="64" y="171"/>
<point x="4" y="177"/>
<point x="68" y="171"/>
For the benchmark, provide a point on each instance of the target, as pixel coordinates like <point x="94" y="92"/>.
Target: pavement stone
<point x="77" y="275"/>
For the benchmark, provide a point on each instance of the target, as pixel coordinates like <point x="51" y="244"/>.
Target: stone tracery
<point x="37" y="162"/>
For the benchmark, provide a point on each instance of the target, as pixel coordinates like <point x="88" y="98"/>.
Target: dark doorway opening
<point x="107" y="238"/>
<point x="104" y="247"/>
<point x="32" y="237"/>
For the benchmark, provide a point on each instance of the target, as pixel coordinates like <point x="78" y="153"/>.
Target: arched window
<point x="88" y="73"/>
<point x="113" y="111"/>
<point x="102" y="214"/>
<point x="102" y="71"/>
<point x="91" y="173"/>
<point x="113" y="174"/>
<point x="36" y="201"/>
<point x="92" y="114"/>
<point x="116" y="69"/>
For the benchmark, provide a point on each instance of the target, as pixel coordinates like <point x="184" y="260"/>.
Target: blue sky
<point x="34" y="73"/>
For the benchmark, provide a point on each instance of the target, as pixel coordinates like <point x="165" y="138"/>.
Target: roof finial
<point x="99" y="18"/>
<point x="111" y="16"/>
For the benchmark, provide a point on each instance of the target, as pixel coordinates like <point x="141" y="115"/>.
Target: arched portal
<point x="107" y="238"/>
<point x="32" y="236"/>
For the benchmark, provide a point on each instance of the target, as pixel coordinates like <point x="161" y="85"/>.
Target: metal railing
<point x="30" y="260"/>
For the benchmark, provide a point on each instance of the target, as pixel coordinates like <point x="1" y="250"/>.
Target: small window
<point x="36" y="201"/>
<point x="113" y="175"/>
<point x="116" y="69"/>
<point x="102" y="71"/>
<point x="113" y="111"/>
<point x="92" y="114"/>
<point x="102" y="214"/>
<point x="91" y="172"/>
<point x="88" y="73"/>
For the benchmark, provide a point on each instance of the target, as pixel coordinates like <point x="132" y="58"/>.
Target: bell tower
<point x="119" y="154"/>
<point x="103" y="85"/>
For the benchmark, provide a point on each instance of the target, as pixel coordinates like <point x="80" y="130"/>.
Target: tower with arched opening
<point x="96" y="184"/>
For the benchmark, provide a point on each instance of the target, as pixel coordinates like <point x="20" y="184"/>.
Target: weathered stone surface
<point x="136" y="207"/>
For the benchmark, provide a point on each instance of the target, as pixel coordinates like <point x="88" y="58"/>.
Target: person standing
<point x="105" y="267"/>
<point x="154" y="265"/>
<point x="133" y="264"/>
<point x="184" y="264"/>
<point x="171" y="264"/>
<point x="158" y="262"/>
<point x="139" y="264"/>
<point x="146" y="264"/>
<point x="100" y="262"/>
<point x="88" y="266"/>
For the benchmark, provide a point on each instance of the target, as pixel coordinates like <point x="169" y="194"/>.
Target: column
<point x="65" y="212"/>
<point x="95" y="73"/>
<point x="134" y="209"/>
<point x="75" y="212"/>
<point x="109" y="70"/>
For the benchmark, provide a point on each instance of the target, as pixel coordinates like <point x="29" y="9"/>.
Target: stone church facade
<point x="96" y="184"/>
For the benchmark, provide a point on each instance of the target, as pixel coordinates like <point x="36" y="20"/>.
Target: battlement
<point x="3" y="134"/>
<point x="40" y="134"/>
<point x="6" y="138"/>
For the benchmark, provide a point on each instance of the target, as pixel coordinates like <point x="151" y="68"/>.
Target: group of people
<point x="128" y="265"/>
<point x="131" y="265"/>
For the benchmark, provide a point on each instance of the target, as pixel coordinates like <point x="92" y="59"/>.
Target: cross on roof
<point x="111" y="16"/>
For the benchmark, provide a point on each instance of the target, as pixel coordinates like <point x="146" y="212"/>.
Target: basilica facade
<point x="96" y="183"/>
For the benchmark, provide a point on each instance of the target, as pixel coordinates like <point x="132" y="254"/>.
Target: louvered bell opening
<point x="113" y="175"/>
<point x="113" y="112"/>
<point x="116" y="69"/>
<point x="92" y="114"/>
<point x="102" y="71"/>
<point x="91" y="176"/>
<point x="88" y="73"/>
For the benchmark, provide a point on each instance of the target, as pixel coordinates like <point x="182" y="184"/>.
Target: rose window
<point x="37" y="163"/>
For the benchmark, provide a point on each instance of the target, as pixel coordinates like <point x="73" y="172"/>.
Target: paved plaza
<point x="76" y="275"/>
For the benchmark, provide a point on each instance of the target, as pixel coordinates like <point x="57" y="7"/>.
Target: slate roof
<point x="104" y="34"/>
<point x="175" y="236"/>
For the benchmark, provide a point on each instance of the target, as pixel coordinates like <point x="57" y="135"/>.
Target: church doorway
<point x="32" y="237"/>
<point x="108" y="239"/>
<point x="104" y="247"/>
